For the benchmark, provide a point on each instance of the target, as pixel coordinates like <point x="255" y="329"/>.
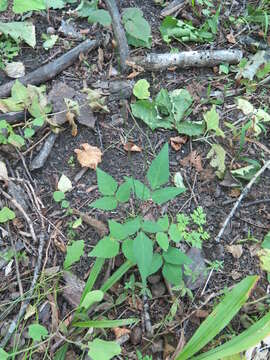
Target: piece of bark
<point x="205" y="58"/>
<point x="119" y="33"/>
<point x="172" y="7"/>
<point x="44" y="153"/>
<point x="13" y="117"/>
<point x="50" y="70"/>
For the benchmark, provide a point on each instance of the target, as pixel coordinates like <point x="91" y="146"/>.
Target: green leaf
<point x="86" y="7"/>
<point x="172" y="273"/>
<point x="158" y="172"/>
<point x="117" y="230"/>
<point x="60" y="354"/>
<point x="141" y="191"/>
<point x="20" y="31"/>
<point x="100" y="324"/>
<point x="211" y="118"/>
<point x="58" y="196"/>
<point x="39" y="121"/>
<point x="175" y="234"/>
<point x="123" y="192"/>
<point x="219" y="318"/>
<point x="50" y="42"/>
<point x="22" y="6"/>
<point x="147" y="112"/>
<point x="163" y="102"/>
<point x="64" y="184"/>
<point x="116" y="276"/>
<point x="163" y="223"/>
<point x="163" y="195"/>
<point x="105" y="203"/>
<point x="91" y="298"/>
<point x="156" y="264"/>
<point x="55" y="4"/>
<point x="3" y="7"/>
<point x="178" y="180"/>
<point x="28" y="133"/>
<point x="37" y="332"/>
<point x="103" y="350"/>
<point x="190" y="128"/>
<point x="217" y="153"/>
<point x="6" y="214"/>
<point x="143" y="252"/>
<point x="176" y="256"/>
<point x="106" y="183"/>
<point x="16" y="140"/>
<point x="74" y="252"/>
<point x="132" y="226"/>
<point x="3" y="355"/>
<point x="106" y="248"/>
<point x="127" y="249"/>
<point x="140" y="89"/>
<point x="162" y="240"/>
<point x="19" y="92"/>
<point x="151" y="226"/>
<point x="100" y="16"/>
<point x="181" y="101"/>
<point x="266" y="241"/>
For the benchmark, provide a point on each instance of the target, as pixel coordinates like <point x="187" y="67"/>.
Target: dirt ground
<point x="248" y="227"/>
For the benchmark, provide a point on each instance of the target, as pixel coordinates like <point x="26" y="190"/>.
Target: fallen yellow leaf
<point x="90" y="156"/>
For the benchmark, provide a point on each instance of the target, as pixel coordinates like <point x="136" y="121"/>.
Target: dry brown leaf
<point x="235" y="250"/>
<point x="193" y="159"/>
<point x="202" y="314"/>
<point x="118" y="332"/>
<point x="137" y="304"/>
<point x="231" y="39"/>
<point x="133" y="74"/>
<point x="90" y="156"/>
<point x="100" y="58"/>
<point x="177" y="142"/>
<point x="70" y="118"/>
<point x="131" y="147"/>
<point x="235" y="193"/>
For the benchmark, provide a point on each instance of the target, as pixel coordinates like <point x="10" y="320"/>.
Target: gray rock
<point x="198" y="268"/>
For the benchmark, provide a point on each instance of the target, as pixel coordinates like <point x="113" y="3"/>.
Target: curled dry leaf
<point x="90" y="156"/>
<point x="118" y="332"/>
<point x="231" y="39"/>
<point x="71" y="119"/>
<point x="235" y="250"/>
<point x="15" y="70"/>
<point x="193" y="159"/>
<point x="130" y="146"/>
<point x="177" y="142"/>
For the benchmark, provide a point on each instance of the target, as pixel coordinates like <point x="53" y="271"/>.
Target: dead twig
<point x="241" y="197"/>
<point x="119" y="33"/>
<point x="49" y="71"/>
<point x="44" y="153"/>
<point x="174" y="6"/>
<point x="184" y="59"/>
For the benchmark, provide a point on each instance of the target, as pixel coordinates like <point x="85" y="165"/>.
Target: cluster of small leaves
<point x="8" y="136"/>
<point x="167" y="110"/>
<point x="8" y="50"/>
<point x="90" y="10"/>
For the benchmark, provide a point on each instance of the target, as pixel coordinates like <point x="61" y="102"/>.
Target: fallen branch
<point x="44" y="153"/>
<point x="205" y="58"/>
<point x="241" y="197"/>
<point x="174" y="6"/>
<point x="49" y="71"/>
<point x="119" y="33"/>
<point x="13" y="117"/>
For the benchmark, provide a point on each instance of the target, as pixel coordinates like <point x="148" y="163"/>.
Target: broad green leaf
<point x="3" y="354"/>
<point x="91" y="298"/>
<point x="74" y="252"/>
<point x="117" y="275"/>
<point x="132" y="226"/>
<point x="123" y="192"/>
<point x="28" y="132"/>
<point x="158" y="172"/>
<point x="22" y="6"/>
<point x="246" y="340"/>
<point x="175" y="256"/>
<point x="55" y="4"/>
<point x="211" y="118"/>
<point x="50" y="42"/>
<point x="85" y="8"/>
<point x="100" y="16"/>
<point x="106" y="183"/>
<point x="103" y="350"/>
<point x="64" y="184"/>
<point x="127" y="249"/>
<point x="247" y="172"/>
<point x="164" y="223"/>
<point x="6" y="214"/>
<point x="37" y="332"/>
<point x="58" y="196"/>
<point x="143" y="252"/>
<point x="163" y="195"/>
<point x="181" y="102"/>
<point x="106" y="248"/>
<point x="172" y="273"/>
<point x="163" y="102"/>
<point x="190" y="128"/>
<point x="16" y="140"/>
<point x="10" y="105"/>
<point x="219" y="318"/>
<point x="105" y="203"/>
<point x="217" y="154"/>
<point x="266" y="241"/>
<point x="245" y="106"/>
<point x="147" y="112"/>
<point x="156" y="264"/>
<point x="60" y="354"/>
<point x="117" y="230"/>
<point x="175" y="234"/>
<point x="141" y="191"/>
<point x="141" y="89"/>
<point x="20" y="31"/>
<point x="151" y="226"/>
<point x="264" y="256"/>
<point x="99" y="324"/>
<point x="3" y="7"/>
<point x="19" y="92"/>
<point x="162" y="240"/>
<point x="38" y="121"/>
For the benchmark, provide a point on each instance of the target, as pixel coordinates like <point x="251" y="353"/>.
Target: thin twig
<point x="241" y="197"/>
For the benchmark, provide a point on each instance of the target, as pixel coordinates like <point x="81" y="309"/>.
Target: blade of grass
<point x="249" y="338"/>
<point x="95" y="271"/>
<point x="219" y="318"/>
<point x="116" y="276"/>
<point x="102" y="324"/>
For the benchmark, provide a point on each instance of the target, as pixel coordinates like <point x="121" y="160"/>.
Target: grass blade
<point x="116" y="276"/>
<point x="219" y="318"/>
<point x="92" y="277"/>
<point x="102" y="324"/>
<point x="249" y="338"/>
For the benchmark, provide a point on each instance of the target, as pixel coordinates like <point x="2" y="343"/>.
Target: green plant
<point x="8" y="50"/>
<point x="141" y="357"/>
<point x="7" y="135"/>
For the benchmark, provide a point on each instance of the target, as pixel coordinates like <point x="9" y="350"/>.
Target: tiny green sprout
<point x="216" y="265"/>
<point x="71" y="161"/>
<point x="6" y="214"/>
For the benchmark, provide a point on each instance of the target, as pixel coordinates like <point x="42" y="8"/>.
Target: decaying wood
<point x="44" y="153"/>
<point x="49" y="71"/>
<point x="119" y="33"/>
<point x="205" y="58"/>
<point x="173" y="7"/>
